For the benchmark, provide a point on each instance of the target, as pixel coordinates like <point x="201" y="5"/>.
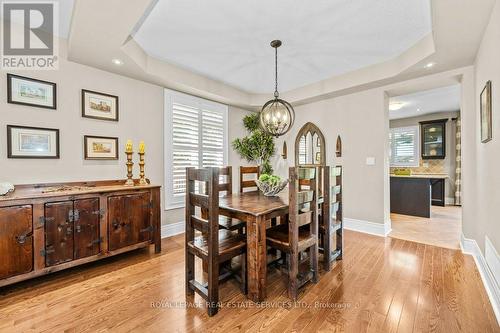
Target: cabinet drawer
<point x="16" y="240"/>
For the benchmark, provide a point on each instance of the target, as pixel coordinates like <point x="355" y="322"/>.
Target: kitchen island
<point x="413" y="194"/>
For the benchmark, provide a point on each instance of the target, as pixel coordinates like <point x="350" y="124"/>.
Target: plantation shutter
<point x="196" y="136"/>
<point x="404" y="146"/>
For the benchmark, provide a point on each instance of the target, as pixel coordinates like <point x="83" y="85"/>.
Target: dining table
<point x="256" y="210"/>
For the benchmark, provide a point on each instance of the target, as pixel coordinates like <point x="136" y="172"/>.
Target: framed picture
<point x="31" y="92"/>
<point x="486" y="121"/>
<point x="100" y="147"/>
<point x="99" y="106"/>
<point x="32" y="142"/>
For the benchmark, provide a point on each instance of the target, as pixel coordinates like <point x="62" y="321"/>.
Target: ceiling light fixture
<point x="277" y="115"/>
<point x="430" y="65"/>
<point x="117" y="61"/>
<point x="395" y="106"/>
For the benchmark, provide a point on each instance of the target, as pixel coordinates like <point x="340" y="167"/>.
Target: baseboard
<point x="172" y="229"/>
<point x="450" y="201"/>
<point x="367" y="227"/>
<point x="469" y="246"/>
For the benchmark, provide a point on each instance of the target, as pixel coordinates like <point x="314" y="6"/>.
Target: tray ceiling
<point x="228" y="40"/>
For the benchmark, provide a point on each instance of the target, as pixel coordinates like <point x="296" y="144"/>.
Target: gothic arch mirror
<point x="310" y="146"/>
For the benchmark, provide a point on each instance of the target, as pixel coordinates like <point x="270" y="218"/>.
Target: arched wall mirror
<point x="310" y="146"/>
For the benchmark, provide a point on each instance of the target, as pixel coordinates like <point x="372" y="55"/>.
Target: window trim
<point x="169" y="97"/>
<point x="415" y="128"/>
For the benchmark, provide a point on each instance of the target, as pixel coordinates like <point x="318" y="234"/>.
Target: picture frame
<point x="97" y="105"/>
<point x="32" y="142"/>
<point x="486" y="113"/>
<point x="28" y="91"/>
<point x="100" y="147"/>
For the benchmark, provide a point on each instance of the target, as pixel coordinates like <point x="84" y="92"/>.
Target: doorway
<point x="425" y="166"/>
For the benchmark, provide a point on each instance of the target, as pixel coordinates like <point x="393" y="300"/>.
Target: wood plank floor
<point x="443" y="228"/>
<point x="381" y="285"/>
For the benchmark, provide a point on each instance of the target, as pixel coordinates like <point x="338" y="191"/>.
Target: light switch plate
<point x="370" y="161"/>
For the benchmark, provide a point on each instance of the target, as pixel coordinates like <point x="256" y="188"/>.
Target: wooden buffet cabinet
<point x="50" y="227"/>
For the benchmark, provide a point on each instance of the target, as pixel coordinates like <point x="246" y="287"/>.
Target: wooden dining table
<point x="256" y="210"/>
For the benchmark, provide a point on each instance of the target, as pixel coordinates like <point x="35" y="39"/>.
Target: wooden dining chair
<point x="245" y="183"/>
<point x="330" y="221"/>
<point x="226" y="185"/>
<point x="212" y="245"/>
<point x="300" y="234"/>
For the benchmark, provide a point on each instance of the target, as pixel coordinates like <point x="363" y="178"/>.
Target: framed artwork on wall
<point x="98" y="105"/>
<point x="100" y="147"/>
<point x="486" y="118"/>
<point x="31" y="92"/>
<point x="32" y="142"/>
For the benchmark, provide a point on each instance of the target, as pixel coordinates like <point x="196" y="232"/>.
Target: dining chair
<point x="226" y="185"/>
<point x="245" y="183"/>
<point x="205" y="240"/>
<point x="330" y="221"/>
<point x="300" y="234"/>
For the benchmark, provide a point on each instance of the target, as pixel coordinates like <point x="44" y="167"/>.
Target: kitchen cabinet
<point x="433" y="139"/>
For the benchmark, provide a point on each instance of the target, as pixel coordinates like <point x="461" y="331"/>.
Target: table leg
<point x="256" y="258"/>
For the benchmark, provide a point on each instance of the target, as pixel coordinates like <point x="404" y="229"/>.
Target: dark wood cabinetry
<point x="50" y="227"/>
<point x="16" y="240"/>
<point x="129" y="220"/>
<point x="433" y="139"/>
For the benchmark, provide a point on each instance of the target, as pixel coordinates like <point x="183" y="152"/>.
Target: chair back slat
<point x="245" y="183"/>
<point x="226" y="180"/>
<point x="208" y="202"/>
<point x="303" y="205"/>
<point x="199" y="200"/>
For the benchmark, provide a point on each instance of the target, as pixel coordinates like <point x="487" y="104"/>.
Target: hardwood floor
<point x="442" y="229"/>
<point x="381" y="285"/>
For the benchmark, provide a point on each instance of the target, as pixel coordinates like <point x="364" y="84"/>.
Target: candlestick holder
<point x="130" y="164"/>
<point x="142" y="178"/>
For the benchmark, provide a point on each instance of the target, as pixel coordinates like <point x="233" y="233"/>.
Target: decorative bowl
<point x="271" y="190"/>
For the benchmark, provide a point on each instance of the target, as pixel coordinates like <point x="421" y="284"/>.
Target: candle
<point x="142" y="147"/>
<point x="128" y="146"/>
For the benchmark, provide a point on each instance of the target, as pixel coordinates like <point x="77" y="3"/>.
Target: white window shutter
<point x="404" y="146"/>
<point x="195" y="136"/>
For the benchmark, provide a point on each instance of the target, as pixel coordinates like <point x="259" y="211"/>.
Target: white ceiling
<point x="228" y="40"/>
<point x="443" y="99"/>
<point x="65" y="13"/>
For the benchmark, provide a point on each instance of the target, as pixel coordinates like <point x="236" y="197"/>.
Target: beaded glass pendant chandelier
<point x="277" y="115"/>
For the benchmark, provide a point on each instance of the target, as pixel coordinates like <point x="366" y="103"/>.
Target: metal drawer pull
<point x="21" y="239"/>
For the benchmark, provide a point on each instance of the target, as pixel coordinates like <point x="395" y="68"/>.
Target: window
<point x="195" y="136"/>
<point x="404" y="146"/>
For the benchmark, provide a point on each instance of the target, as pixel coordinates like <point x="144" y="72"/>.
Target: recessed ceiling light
<point x="396" y="106"/>
<point x="418" y="109"/>
<point x="117" y="62"/>
<point x="430" y="65"/>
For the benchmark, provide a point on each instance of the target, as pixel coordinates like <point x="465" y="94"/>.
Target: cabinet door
<point x="129" y="220"/>
<point x="58" y="232"/>
<point x="16" y="240"/>
<point x="87" y="242"/>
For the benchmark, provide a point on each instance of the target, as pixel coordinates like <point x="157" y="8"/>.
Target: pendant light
<point x="277" y="115"/>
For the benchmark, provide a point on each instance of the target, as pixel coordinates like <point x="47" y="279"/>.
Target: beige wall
<point x="361" y="120"/>
<point x="447" y="165"/>
<point x="483" y="218"/>
<point x="141" y="118"/>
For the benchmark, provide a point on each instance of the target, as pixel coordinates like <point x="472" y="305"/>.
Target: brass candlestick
<point x="130" y="164"/>
<point x="142" y="178"/>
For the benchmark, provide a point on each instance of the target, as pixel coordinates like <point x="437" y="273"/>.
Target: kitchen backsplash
<point x="433" y="166"/>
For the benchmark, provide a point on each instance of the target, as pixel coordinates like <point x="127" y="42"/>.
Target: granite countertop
<point x="423" y="175"/>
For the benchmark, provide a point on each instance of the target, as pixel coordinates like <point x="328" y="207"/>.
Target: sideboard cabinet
<point x="50" y="227"/>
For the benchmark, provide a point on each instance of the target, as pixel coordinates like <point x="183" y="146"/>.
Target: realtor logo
<point x="28" y="40"/>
